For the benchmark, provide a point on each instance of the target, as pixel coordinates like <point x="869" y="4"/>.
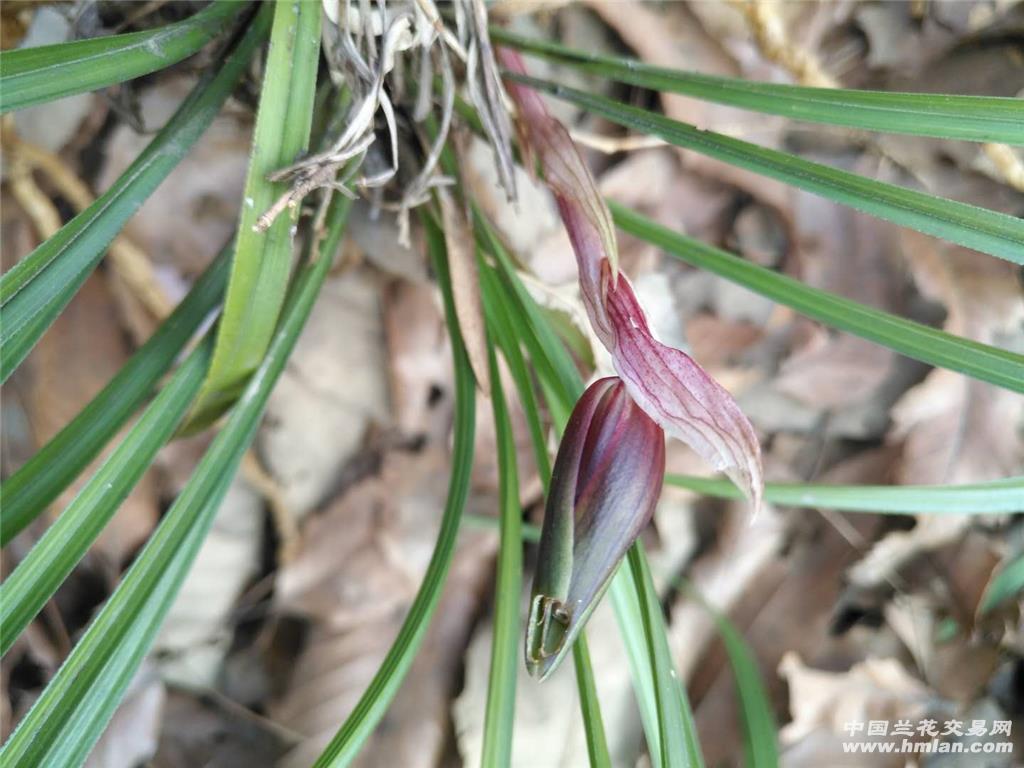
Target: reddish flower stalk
<point x="593" y="516"/>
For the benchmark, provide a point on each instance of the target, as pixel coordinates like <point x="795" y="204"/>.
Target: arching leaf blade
<point x="983" y="230"/>
<point x="945" y="116"/>
<point x="35" y="75"/>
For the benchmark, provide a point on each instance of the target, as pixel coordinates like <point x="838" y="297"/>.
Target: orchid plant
<point x="368" y="100"/>
<point x="609" y="469"/>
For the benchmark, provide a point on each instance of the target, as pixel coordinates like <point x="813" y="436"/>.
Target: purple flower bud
<point x="606" y="481"/>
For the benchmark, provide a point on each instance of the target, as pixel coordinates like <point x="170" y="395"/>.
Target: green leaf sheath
<point x="979" y="228"/>
<point x="259" y="273"/>
<point x="42" y="478"/>
<point x="345" y="745"/>
<point x="935" y="347"/>
<point x="36" y="289"/>
<point x="35" y="75"/>
<point x="982" y="498"/>
<point x="70" y="715"/>
<point x="969" y="118"/>
<point x="499" y="716"/>
<point x="33" y="582"/>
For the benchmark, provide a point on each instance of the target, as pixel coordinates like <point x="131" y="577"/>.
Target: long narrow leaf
<point x="979" y="228"/>
<point x="69" y="716"/>
<point x="34" y="75"/>
<point x="92" y="711"/>
<point x="593" y="722"/>
<point x="759" y="728"/>
<point x="51" y="469"/>
<point x="1007" y="583"/>
<point x="554" y="363"/>
<point x="981" y="498"/>
<point x="673" y="713"/>
<point x="630" y="620"/>
<point x="374" y="702"/>
<point x="34" y="291"/>
<point x="499" y="716"/>
<point x="970" y="118"/>
<point x="981" y="361"/>
<point x="501" y="325"/>
<point x="33" y="582"/>
<point x="259" y="273"/>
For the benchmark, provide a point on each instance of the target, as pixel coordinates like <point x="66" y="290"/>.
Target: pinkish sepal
<point x="665" y="382"/>
<point x="679" y="396"/>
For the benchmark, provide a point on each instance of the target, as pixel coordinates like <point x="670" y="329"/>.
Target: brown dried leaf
<point x="465" y="286"/>
<point x="668" y="35"/>
<point x="419" y="360"/>
<point x="361" y="562"/>
<point x="954" y="429"/>
<point x="875" y="689"/>
<point x="845" y="253"/>
<point x="332" y="391"/>
<point x="200" y="626"/>
<point x="207" y="729"/>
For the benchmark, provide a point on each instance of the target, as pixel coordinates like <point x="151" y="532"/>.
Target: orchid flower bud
<point x="605" y="484"/>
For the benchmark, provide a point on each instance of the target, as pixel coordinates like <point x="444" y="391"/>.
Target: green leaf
<point x="970" y="118"/>
<point x="630" y="620"/>
<point x="981" y="361"/>
<point x="36" y="289"/>
<point x="979" y="228"/>
<point x="33" y="75"/>
<point x="980" y="498"/>
<point x="593" y="723"/>
<point x="499" y="716"/>
<point x="42" y="478"/>
<point x="259" y="274"/>
<point x="73" y="743"/>
<point x="554" y="364"/>
<point x="675" y="722"/>
<point x="501" y="326"/>
<point x="1007" y="583"/>
<point x="72" y="711"/>
<point x="24" y="593"/>
<point x="759" y="728"/>
<point x="345" y="745"/>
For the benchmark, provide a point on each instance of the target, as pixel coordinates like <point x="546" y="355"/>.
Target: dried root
<point x="370" y="48"/>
